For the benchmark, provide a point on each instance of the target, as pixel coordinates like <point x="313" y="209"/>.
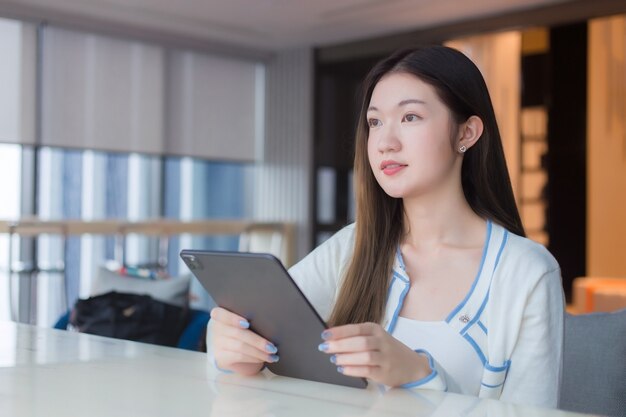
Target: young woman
<point x="434" y="286"/>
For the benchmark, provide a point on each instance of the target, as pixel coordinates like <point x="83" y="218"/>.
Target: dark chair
<point x="192" y="337"/>
<point x="594" y="364"/>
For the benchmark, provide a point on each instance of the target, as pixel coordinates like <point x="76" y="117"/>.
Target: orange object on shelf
<point x="595" y="294"/>
<point x="608" y="300"/>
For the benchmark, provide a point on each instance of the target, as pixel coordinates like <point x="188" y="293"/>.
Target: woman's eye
<point x="411" y="118"/>
<point x="373" y="122"/>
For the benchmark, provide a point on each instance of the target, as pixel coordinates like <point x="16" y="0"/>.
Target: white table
<point x="47" y="372"/>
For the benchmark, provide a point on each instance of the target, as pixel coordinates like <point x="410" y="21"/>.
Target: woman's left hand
<point x="366" y="350"/>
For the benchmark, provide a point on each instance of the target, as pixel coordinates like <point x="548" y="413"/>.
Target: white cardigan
<point x="513" y="315"/>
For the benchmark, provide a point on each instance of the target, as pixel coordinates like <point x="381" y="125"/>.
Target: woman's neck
<point x="446" y="219"/>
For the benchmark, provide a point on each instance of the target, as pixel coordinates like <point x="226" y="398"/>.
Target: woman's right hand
<point x="235" y="347"/>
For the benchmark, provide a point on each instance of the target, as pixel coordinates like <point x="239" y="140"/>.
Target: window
<point x="198" y="189"/>
<point x="102" y="151"/>
<point x="92" y="185"/>
<point x="10" y="179"/>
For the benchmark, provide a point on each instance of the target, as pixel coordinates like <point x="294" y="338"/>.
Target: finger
<point x="224" y="316"/>
<point x="226" y="359"/>
<point x="351" y="330"/>
<point x="246" y="336"/>
<point x="358" y="371"/>
<point x="368" y="358"/>
<point x="227" y="344"/>
<point x="351" y="345"/>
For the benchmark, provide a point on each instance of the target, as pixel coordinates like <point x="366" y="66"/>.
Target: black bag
<point x="130" y="316"/>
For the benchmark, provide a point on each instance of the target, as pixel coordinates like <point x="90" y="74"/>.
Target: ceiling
<point x="272" y="24"/>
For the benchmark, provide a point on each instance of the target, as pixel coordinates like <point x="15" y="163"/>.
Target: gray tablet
<point x="257" y="287"/>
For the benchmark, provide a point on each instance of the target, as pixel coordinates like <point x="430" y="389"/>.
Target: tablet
<point x="257" y="287"/>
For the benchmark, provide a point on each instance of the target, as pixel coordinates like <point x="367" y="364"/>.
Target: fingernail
<point x="274" y="358"/>
<point x="270" y="348"/>
<point x="340" y="369"/>
<point x="323" y="347"/>
<point x="333" y="359"/>
<point x="326" y="335"/>
<point x="244" y="324"/>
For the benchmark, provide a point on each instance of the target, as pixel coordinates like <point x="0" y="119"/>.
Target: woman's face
<point x="409" y="146"/>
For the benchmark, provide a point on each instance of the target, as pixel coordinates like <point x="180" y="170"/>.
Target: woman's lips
<point x="391" y="167"/>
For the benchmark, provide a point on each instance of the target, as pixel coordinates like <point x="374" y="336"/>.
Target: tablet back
<point x="257" y="287"/>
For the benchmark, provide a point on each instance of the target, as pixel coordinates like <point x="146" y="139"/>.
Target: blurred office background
<point x="144" y="109"/>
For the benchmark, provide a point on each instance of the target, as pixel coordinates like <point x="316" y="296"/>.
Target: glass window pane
<point x="199" y="189"/>
<point x="10" y="180"/>
<point x="59" y="197"/>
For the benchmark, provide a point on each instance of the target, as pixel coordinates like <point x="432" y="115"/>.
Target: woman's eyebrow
<point x="411" y="101"/>
<point x="400" y="104"/>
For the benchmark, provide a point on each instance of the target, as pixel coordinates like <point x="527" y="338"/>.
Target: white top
<point x="512" y="317"/>
<point x="463" y="368"/>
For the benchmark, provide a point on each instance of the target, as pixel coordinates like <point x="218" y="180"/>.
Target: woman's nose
<point x="388" y="140"/>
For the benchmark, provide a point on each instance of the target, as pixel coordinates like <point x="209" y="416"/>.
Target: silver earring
<point x="462" y="149"/>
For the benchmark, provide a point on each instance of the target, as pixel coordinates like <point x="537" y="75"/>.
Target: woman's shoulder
<point x="344" y="235"/>
<point x="526" y="273"/>
<point x="523" y="257"/>
<point x="338" y="243"/>
<point x="333" y="251"/>
<point x="526" y="250"/>
<point x="319" y="274"/>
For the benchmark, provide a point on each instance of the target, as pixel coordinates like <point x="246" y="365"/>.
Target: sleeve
<point x="436" y="380"/>
<point x="319" y="274"/>
<point x="533" y="373"/>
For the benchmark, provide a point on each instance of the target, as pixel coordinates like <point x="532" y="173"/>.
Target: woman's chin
<point x="394" y="193"/>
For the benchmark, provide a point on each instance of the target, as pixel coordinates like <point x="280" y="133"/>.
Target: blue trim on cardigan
<point x="480" y="270"/>
<point x="226" y="371"/>
<point x="504" y="240"/>
<point x="399" y="257"/>
<point x="504" y="367"/>
<point x="480" y="353"/>
<point x="400" y="277"/>
<point x="491" y="386"/>
<point x="392" y="323"/>
<point x="422" y="381"/>
<point x="484" y="303"/>
<point x="482" y="326"/>
<point x="430" y="376"/>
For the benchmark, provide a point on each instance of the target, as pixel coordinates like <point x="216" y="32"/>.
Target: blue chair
<point x="190" y="339"/>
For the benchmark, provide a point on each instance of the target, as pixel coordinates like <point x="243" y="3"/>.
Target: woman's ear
<point x="469" y="133"/>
